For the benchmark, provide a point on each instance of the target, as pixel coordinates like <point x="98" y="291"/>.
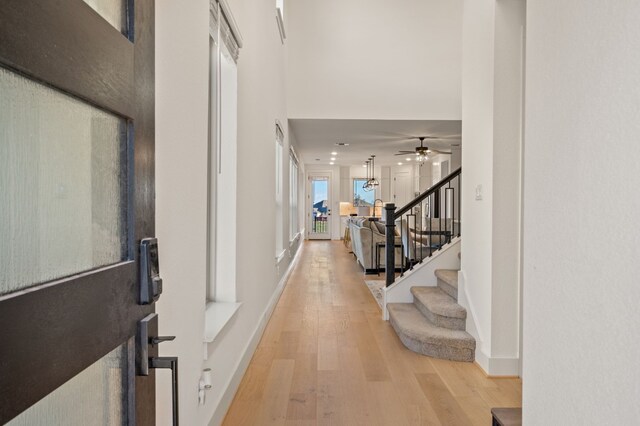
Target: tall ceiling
<point x="317" y="138"/>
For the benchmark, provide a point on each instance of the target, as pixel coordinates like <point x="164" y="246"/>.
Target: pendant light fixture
<point x="367" y="187"/>
<point x="371" y="182"/>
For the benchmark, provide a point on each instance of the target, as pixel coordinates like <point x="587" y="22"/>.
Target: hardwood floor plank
<point x="330" y="402"/>
<point x="288" y="345"/>
<point x="304" y="384"/>
<point x="444" y="404"/>
<point x="374" y="365"/>
<point x="476" y="409"/>
<point x="308" y="341"/>
<point x="422" y="415"/>
<point x="275" y="400"/>
<point x="462" y="379"/>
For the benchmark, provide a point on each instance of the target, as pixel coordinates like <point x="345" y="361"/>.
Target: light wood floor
<point x="327" y="357"/>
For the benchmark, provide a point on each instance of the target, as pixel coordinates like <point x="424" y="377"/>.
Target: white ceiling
<point x="316" y="139"/>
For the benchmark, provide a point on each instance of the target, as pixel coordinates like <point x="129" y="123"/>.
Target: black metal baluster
<point x="459" y="204"/>
<point x="453" y="207"/>
<point x="413" y="241"/>
<point x="421" y="234"/>
<point x="430" y="235"/>
<point x="440" y="220"/>
<point x="402" y="239"/>
<point x="447" y="201"/>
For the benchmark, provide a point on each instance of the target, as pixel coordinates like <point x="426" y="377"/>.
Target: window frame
<point x="294" y="176"/>
<point x="221" y="284"/>
<point x="279" y="191"/>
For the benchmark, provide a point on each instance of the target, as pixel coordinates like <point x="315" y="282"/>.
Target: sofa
<point x="365" y="234"/>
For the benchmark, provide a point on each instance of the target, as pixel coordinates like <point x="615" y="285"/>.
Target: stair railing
<point x="425" y="225"/>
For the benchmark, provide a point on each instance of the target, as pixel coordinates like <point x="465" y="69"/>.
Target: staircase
<point x="434" y="324"/>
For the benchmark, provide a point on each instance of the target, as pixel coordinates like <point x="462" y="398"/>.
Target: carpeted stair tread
<point x="418" y="334"/>
<point x="448" y="281"/>
<point x="449" y="276"/>
<point x="439" y="308"/>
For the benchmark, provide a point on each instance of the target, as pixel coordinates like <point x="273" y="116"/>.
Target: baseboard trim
<point x="471" y="312"/>
<point x="496" y="368"/>
<point x="241" y="367"/>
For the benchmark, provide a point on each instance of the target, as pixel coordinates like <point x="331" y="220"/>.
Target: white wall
<point x="510" y="16"/>
<point x="491" y="97"/>
<point x="181" y="183"/>
<point x="581" y="251"/>
<point x="182" y="61"/>
<point x="393" y="60"/>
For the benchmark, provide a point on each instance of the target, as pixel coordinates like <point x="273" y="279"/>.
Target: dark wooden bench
<point x="506" y="416"/>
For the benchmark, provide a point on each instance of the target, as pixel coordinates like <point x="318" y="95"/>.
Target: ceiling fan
<point x="422" y="152"/>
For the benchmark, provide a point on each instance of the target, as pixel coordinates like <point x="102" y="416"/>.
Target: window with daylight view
<point x="362" y="198"/>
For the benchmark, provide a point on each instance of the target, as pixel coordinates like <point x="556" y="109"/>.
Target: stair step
<point x="418" y="334"/>
<point x="439" y="308"/>
<point x="448" y="281"/>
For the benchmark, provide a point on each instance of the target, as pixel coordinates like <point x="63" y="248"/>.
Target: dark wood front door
<point x="76" y="199"/>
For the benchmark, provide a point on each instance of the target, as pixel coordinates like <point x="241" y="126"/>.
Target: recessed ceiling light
<point x="408" y="158"/>
<point x="436" y="164"/>
<point x="364" y="165"/>
<point x="334" y="153"/>
<point x="341" y="144"/>
<point x="332" y="163"/>
<point x="399" y="164"/>
<point x="333" y="158"/>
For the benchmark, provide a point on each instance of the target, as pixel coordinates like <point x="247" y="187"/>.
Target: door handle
<point x="147" y="340"/>
<point x="169" y="362"/>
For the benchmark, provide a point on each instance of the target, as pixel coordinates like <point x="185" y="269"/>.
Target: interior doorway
<point x="402" y="188"/>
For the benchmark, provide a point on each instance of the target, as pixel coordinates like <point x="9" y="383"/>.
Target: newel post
<point x="390" y="251"/>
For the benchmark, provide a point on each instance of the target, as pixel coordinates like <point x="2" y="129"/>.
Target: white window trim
<point x="295" y="238"/>
<point x="217" y="316"/>
<point x="218" y="313"/>
<point x="280" y="256"/>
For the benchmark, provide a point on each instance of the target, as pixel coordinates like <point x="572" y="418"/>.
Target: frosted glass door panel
<point x="97" y="396"/>
<point x="62" y="185"/>
<point x="114" y="11"/>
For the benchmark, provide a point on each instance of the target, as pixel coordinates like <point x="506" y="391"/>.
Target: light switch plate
<point x="479" y="192"/>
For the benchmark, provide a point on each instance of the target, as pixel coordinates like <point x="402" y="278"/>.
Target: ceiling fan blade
<point x="405" y="152"/>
